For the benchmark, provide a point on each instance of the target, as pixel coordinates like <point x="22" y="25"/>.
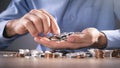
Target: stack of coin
<point x="8" y="54"/>
<point x="77" y="55"/>
<point x="71" y="55"/>
<point x="80" y="55"/>
<point x="88" y="54"/>
<point x="99" y="53"/>
<point x="57" y="55"/>
<point x="22" y="52"/>
<point x="92" y="52"/>
<point x="116" y="53"/>
<point x="48" y="54"/>
<point x="36" y="53"/>
<point x="107" y="53"/>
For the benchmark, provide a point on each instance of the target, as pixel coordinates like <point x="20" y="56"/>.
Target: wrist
<point x="9" y="30"/>
<point x="101" y="43"/>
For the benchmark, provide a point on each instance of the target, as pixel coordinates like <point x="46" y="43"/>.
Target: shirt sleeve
<point x="113" y="39"/>
<point x="15" y="10"/>
<point x="113" y="36"/>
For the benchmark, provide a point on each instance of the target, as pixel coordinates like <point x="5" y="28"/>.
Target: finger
<point x="54" y="27"/>
<point x="30" y="27"/>
<point x="45" y="20"/>
<point x="46" y="23"/>
<point x="58" y="44"/>
<point x="37" y="21"/>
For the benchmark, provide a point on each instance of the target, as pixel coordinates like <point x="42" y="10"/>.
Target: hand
<point x="34" y="22"/>
<point x="89" y="37"/>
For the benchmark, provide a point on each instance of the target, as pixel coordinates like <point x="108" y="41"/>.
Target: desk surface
<point x="11" y="62"/>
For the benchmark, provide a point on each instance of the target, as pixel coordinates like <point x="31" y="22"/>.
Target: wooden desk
<point x="58" y="63"/>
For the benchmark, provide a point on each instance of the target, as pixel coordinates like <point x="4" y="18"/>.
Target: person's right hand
<point x="34" y="22"/>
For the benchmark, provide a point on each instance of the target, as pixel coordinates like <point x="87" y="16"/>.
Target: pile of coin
<point x="91" y="53"/>
<point x="95" y="53"/>
<point x="37" y="54"/>
<point x="8" y="53"/>
<point x="62" y="36"/>
<point x="78" y="55"/>
<point x="23" y="53"/>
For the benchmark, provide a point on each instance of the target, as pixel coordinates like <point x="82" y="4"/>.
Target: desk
<point x="11" y="62"/>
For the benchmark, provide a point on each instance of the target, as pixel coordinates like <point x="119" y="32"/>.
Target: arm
<point x="34" y="22"/>
<point x="12" y="12"/>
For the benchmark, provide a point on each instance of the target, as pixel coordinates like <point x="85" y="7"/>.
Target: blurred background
<point x="24" y="42"/>
<point x="27" y="41"/>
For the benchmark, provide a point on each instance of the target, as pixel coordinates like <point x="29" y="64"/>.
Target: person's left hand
<point x="86" y="38"/>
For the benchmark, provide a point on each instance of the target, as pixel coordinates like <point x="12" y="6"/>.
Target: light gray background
<point x="24" y="42"/>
